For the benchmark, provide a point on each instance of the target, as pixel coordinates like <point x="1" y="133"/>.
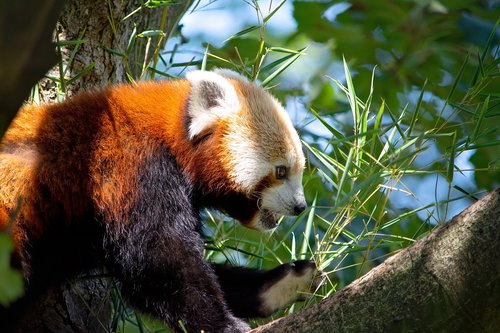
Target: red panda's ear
<point x="229" y="74"/>
<point x="212" y="97"/>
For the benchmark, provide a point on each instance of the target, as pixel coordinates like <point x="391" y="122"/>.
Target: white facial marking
<point x="248" y="166"/>
<point x="283" y="198"/>
<point x="261" y="134"/>
<point x="295" y="156"/>
<point x="257" y="136"/>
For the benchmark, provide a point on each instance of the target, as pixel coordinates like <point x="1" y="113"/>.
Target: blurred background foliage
<point x="433" y="64"/>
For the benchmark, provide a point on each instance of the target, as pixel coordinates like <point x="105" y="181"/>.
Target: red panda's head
<point x="257" y="150"/>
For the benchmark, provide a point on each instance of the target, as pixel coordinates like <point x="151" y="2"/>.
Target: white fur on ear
<point x="227" y="73"/>
<point x="212" y="97"/>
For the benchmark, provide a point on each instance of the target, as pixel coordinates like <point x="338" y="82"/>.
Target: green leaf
<point x="308" y="229"/>
<point x="417" y="109"/>
<point x="310" y="20"/>
<point x="151" y="33"/>
<point x="330" y="128"/>
<point x="11" y="281"/>
<point x="84" y="71"/>
<point x="242" y="33"/>
<point x="478" y="121"/>
<point x="70" y="42"/>
<point x="451" y="162"/>
<point x="284" y="66"/>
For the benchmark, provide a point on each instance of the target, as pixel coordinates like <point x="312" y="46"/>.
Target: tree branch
<point x="449" y="281"/>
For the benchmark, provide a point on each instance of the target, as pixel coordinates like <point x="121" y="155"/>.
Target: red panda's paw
<point x="237" y="326"/>
<point x="290" y="283"/>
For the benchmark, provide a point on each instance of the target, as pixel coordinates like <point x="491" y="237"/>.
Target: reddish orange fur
<point x="117" y="178"/>
<point x="104" y="120"/>
<point x="4" y="218"/>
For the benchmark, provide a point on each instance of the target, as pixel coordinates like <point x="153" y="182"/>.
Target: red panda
<point x="117" y="177"/>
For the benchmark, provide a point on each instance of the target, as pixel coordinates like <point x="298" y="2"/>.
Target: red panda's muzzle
<point x="268" y="220"/>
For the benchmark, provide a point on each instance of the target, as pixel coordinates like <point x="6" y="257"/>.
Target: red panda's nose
<point x="299" y="208"/>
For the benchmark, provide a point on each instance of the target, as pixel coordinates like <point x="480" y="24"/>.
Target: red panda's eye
<point x="281" y="172"/>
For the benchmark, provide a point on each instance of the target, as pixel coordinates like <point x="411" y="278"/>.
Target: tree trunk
<point x="449" y="281"/>
<point x="105" y="56"/>
<point x="111" y="46"/>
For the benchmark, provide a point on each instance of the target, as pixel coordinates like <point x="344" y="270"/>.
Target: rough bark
<point x="107" y="33"/>
<point x="76" y="306"/>
<point x="82" y="305"/>
<point x="448" y="281"/>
